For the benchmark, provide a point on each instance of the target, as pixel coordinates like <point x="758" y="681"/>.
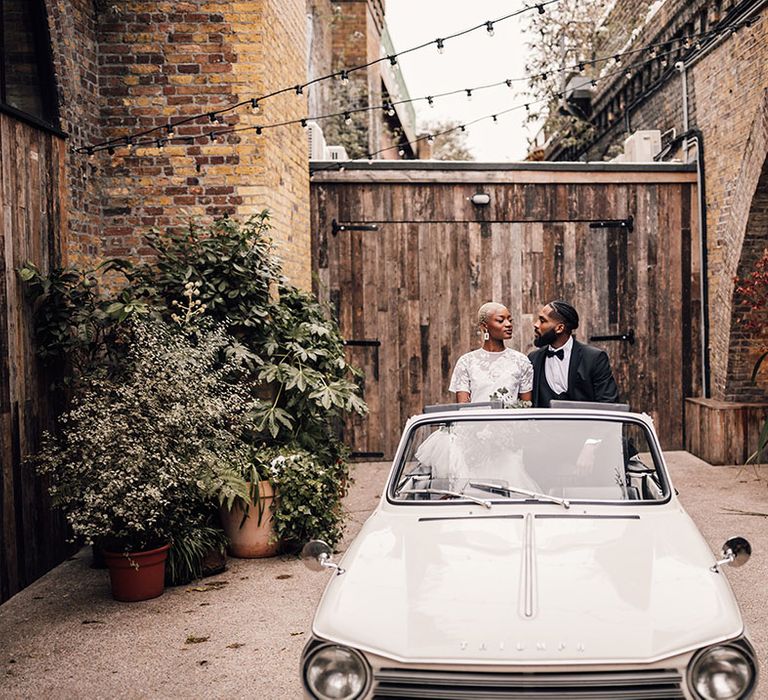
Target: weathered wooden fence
<point x="405" y="259"/>
<point x="31" y="536"/>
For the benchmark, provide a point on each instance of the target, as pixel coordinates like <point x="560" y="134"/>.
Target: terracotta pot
<point x="251" y="537"/>
<point x="137" y="575"/>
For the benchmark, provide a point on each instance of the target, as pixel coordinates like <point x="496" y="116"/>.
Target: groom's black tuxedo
<point x="589" y="377"/>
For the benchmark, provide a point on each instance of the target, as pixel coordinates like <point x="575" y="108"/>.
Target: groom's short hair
<point x="562" y="311"/>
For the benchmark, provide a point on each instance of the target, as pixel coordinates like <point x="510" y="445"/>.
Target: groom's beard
<point x="541" y="341"/>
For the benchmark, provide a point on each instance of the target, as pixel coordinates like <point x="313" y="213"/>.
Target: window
<point x="26" y="75"/>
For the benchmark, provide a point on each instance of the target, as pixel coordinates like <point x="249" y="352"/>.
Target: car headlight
<point x="722" y="673"/>
<point x="334" y="672"/>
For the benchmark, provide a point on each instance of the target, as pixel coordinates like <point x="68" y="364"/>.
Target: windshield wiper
<point x="521" y="492"/>
<point x="445" y="492"/>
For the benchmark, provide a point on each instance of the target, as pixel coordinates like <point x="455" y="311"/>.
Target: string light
<point x="215" y="118"/>
<point x="440" y="46"/>
<point x="303" y="123"/>
<point x="581" y="67"/>
<point x="392" y="59"/>
<point x="495" y="118"/>
<point x="489" y="28"/>
<point x="430" y="139"/>
<point x="255" y="104"/>
<point x="259" y="130"/>
<point x="299" y="89"/>
<point x="347" y="118"/>
<point x="401" y="152"/>
<point x="540" y="8"/>
<point x="344" y="76"/>
<point x="431" y="101"/>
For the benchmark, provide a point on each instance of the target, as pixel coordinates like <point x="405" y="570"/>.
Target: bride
<point x="491" y="372"/>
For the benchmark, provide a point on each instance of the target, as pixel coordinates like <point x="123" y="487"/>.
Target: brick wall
<point x="728" y="102"/>
<point x="138" y="64"/>
<point x="72" y="26"/>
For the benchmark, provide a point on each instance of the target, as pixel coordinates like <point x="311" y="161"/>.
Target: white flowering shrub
<point x="138" y="459"/>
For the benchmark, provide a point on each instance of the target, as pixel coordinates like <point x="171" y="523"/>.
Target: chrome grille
<point x="462" y="685"/>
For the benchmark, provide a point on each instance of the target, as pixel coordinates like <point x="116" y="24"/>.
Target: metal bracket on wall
<point x="363" y="343"/>
<point x="628" y="337"/>
<point x="627" y="224"/>
<point x="336" y="227"/>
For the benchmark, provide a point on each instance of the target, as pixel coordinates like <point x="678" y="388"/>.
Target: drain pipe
<point x="697" y="137"/>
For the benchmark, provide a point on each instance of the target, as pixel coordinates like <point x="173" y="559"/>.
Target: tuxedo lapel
<point x="538" y="373"/>
<point x="573" y="368"/>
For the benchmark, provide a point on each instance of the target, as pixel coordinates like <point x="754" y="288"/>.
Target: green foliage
<point x="154" y="400"/>
<point x="190" y="547"/>
<point x="139" y="459"/>
<point x="308" y="504"/>
<point x="74" y="323"/>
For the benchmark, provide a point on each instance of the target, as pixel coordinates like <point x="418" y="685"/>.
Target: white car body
<point x="452" y="599"/>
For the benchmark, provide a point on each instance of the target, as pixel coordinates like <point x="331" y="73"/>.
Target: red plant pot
<point x="137" y="575"/>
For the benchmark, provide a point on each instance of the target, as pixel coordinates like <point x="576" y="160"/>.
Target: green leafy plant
<point x="308" y="504"/>
<point x="75" y="324"/>
<point x="139" y="459"/>
<point x="288" y="355"/>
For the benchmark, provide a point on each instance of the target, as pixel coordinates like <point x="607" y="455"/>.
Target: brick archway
<point x="744" y="347"/>
<point x="738" y="234"/>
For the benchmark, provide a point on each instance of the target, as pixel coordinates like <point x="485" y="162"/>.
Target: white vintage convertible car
<point x="528" y="554"/>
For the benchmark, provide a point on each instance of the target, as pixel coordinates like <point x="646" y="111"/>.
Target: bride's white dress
<point x="476" y="452"/>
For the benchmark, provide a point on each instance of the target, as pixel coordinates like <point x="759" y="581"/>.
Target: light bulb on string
<point x="469" y="93"/>
<point x="303" y="123"/>
<point x="508" y="83"/>
<point x="593" y="83"/>
<point x="299" y="89"/>
<point x="111" y="150"/>
<point x="617" y="59"/>
<point x="430" y="139"/>
<point x="540" y="8"/>
<point x="213" y="136"/>
<point x="440" y="46"/>
<point x="654" y="52"/>
<point x="495" y="118"/>
<point x="255" y="104"/>
<point x="392" y="60"/>
<point x="347" y="118"/>
<point x="259" y="130"/>
<point x="401" y="152"/>
<point x="431" y="101"/>
<point x="489" y="28"/>
<point x="344" y="76"/>
<point x="213" y="118"/>
<point x="628" y="74"/>
<point x="462" y="128"/>
<point x="160" y="143"/>
<point x="581" y="67"/>
<point x="170" y="129"/>
<point x="664" y="62"/>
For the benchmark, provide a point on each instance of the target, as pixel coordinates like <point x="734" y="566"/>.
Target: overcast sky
<point x="468" y="61"/>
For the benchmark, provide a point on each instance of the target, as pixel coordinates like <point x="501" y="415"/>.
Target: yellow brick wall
<point x="161" y="61"/>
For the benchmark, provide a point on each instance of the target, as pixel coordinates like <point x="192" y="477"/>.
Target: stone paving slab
<point x="240" y="634"/>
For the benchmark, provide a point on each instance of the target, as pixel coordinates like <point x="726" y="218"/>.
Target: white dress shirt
<point x="556" y="370"/>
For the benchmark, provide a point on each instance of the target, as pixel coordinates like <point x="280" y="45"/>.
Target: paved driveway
<point x="240" y="634"/>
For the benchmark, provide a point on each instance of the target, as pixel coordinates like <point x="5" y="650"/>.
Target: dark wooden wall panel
<point x="415" y="283"/>
<point x="31" y="535"/>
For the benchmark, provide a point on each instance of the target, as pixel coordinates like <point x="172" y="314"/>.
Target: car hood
<point x="528" y="587"/>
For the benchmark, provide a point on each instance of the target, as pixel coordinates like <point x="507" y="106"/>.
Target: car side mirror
<point x="736" y="552"/>
<point x="316" y="556"/>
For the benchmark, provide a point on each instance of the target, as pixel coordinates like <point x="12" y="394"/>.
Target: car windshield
<point x="554" y="460"/>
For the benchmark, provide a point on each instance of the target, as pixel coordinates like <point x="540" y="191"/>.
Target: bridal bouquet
<point x="502" y="394"/>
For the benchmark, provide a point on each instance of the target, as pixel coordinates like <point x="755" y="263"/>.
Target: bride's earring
<point x="485" y="334"/>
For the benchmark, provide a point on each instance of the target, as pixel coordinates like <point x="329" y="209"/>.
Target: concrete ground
<point x="240" y="634"/>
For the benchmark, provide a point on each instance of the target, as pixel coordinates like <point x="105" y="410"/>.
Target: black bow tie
<point x="559" y="354"/>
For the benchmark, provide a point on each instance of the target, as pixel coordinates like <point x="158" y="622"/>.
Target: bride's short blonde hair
<point x="486" y="310"/>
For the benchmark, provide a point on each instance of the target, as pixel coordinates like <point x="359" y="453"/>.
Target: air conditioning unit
<point x="642" y="146"/>
<point x="316" y="141"/>
<point x="336" y="153"/>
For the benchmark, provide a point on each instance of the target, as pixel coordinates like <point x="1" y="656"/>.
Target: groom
<point x="564" y="368"/>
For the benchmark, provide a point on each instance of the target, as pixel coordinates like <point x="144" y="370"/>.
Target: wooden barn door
<point x="407" y="294"/>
